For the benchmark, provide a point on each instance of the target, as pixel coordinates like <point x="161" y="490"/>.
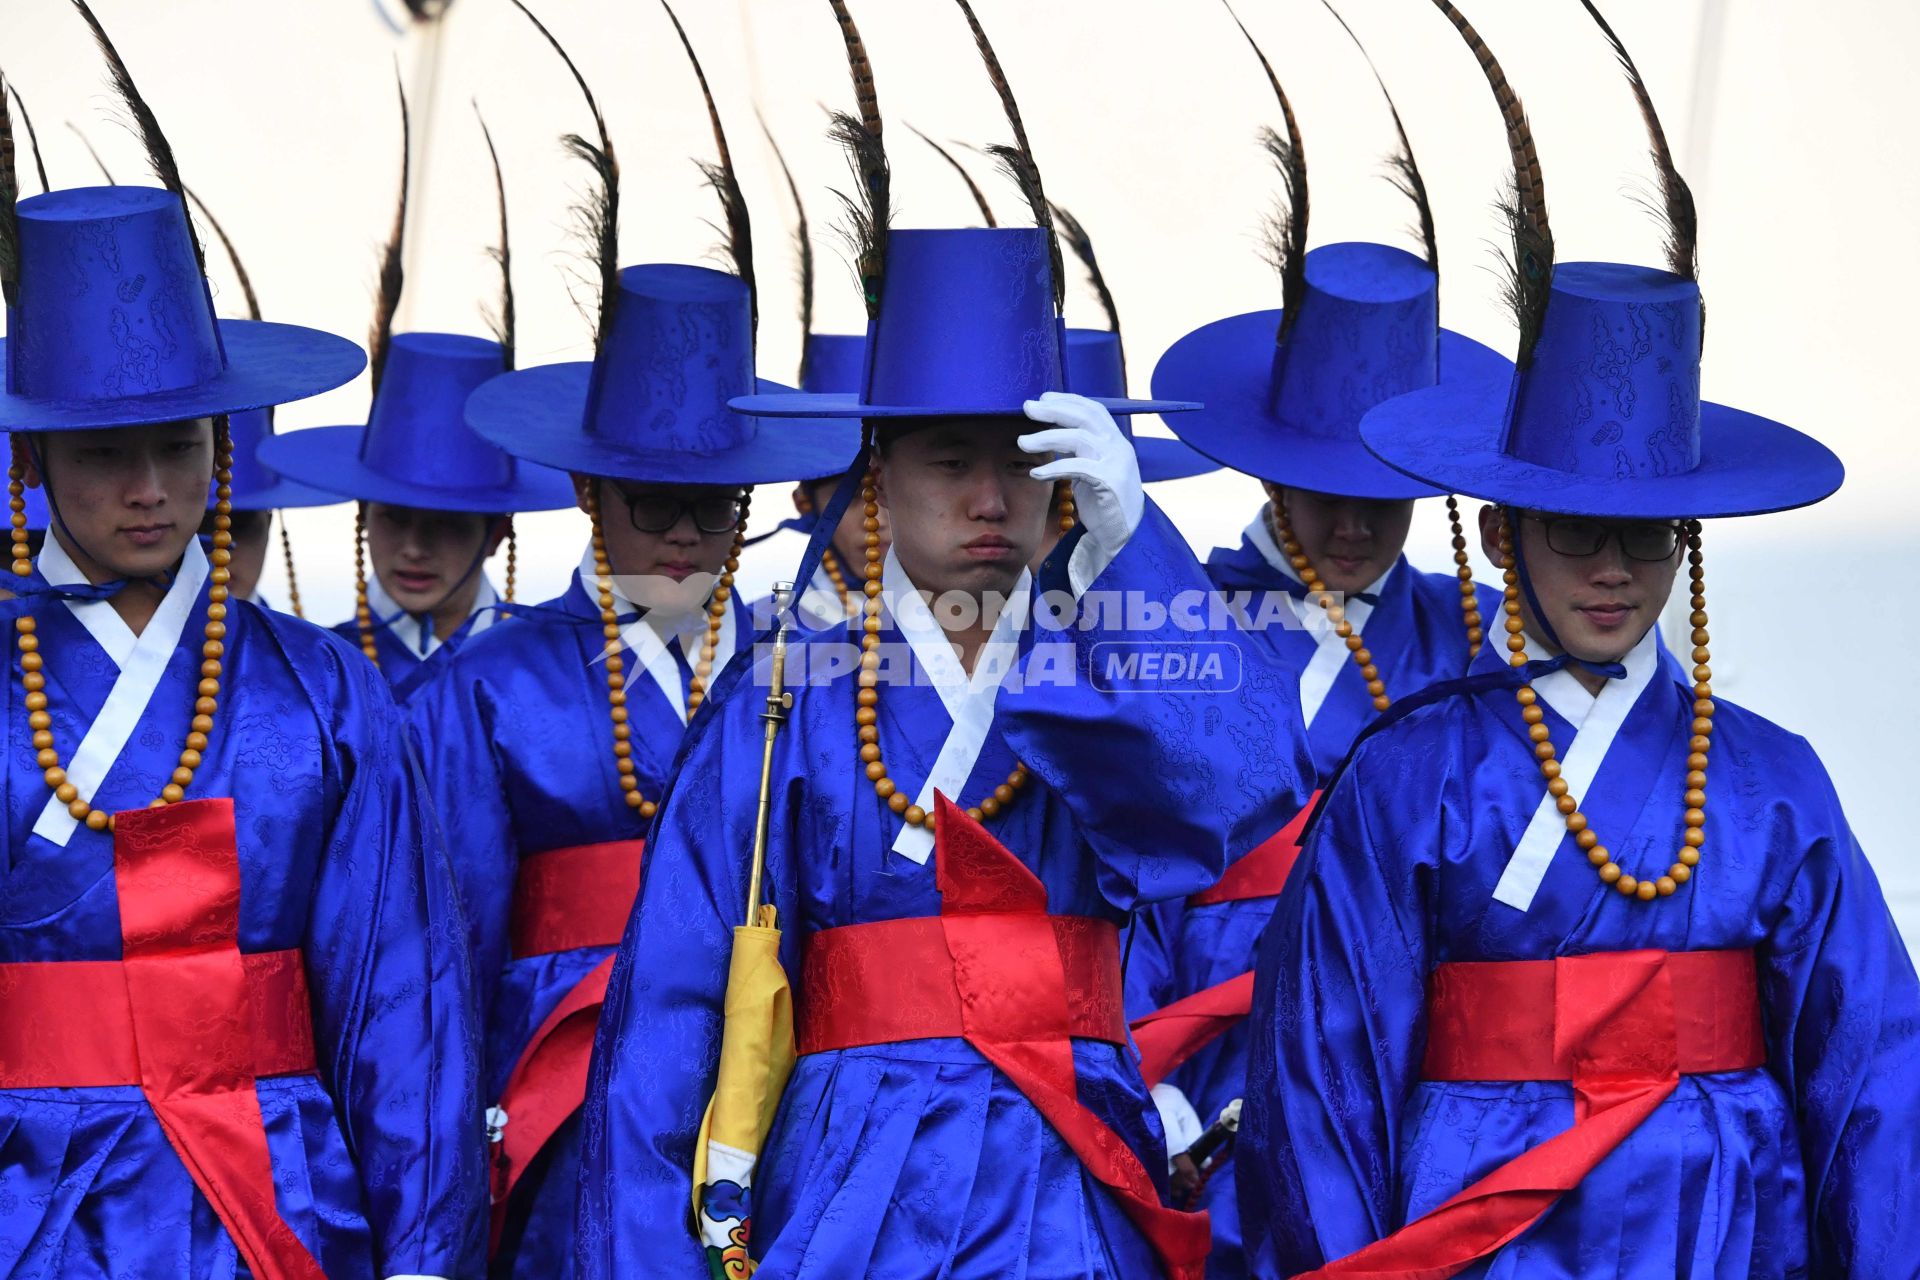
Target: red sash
<point x="184" y="1015"/>
<point x="993" y="968"/>
<point x="1622" y="1026"/>
<point x="563" y="900"/>
<point x="1168" y="1037"/>
<point x="1261" y="872"/>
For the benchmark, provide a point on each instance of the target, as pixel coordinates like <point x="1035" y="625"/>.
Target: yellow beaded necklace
<point x="616" y="664"/>
<point x="867" y="709"/>
<point x="212" y="647"/>
<point x="1280" y="528"/>
<point x="1693" y="836"/>
<point x="362" y="611"/>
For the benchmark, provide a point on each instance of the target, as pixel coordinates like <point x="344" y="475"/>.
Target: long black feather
<point x="1018" y="159"/>
<point x="33" y="136"/>
<point x="1286" y="227"/>
<point x="392" y="278"/>
<point x="1082" y="245"/>
<point x="428" y="10"/>
<point x="9" y="218"/>
<point x="1403" y="171"/>
<point x="88" y="144"/>
<point x="802" y="245"/>
<point x="1529" y="269"/>
<point x="145" y="123"/>
<point x="973" y="188"/>
<point x="233" y="255"/>
<point x="725" y="182"/>
<point x="870" y="209"/>
<point x="1679" y="216"/>
<point x="501" y="321"/>
<point x="599" y="214"/>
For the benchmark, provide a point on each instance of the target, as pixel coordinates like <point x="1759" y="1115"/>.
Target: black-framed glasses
<point x="658" y="510"/>
<point x="1648" y="541"/>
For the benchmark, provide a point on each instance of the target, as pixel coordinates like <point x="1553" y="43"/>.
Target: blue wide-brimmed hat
<point x="1097" y="369"/>
<point x="112" y="323"/>
<point x="1607" y="419"/>
<point x="651" y="407"/>
<point x="416" y="449"/>
<point x="966" y="328"/>
<point x="257" y="486"/>
<point x="1368" y="329"/>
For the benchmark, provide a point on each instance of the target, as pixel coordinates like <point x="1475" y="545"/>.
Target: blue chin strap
<point x="1611" y="670"/>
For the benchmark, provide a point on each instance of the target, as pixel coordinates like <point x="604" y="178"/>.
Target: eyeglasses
<point x="658" y="510"/>
<point x="1648" y="541"/>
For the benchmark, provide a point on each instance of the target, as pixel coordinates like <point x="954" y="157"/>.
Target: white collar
<point x="142" y="663"/>
<point x="969" y="699"/>
<point x="410" y="629"/>
<point x="649" y="635"/>
<point x="1330" y="655"/>
<point x="102" y="621"/>
<point x="1596" y="720"/>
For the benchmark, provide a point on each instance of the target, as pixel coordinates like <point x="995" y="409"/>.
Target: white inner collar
<point x="1330" y="655"/>
<point x="969" y="699"/>
<point x="142" y="661"/>
<point x="649" y="635"/>
<point x="411" y="629"/>
<point x="1596" y="720"/>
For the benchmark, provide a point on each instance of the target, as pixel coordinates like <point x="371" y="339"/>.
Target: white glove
<point x="1177" y="1117"/>
<point x="1097" y="458"/>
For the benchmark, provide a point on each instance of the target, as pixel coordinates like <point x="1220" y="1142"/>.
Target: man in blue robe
<point x="1320" y="576"/>
<point x="1582" y="972"/>
<point x="919" y="1151"/>
<point x="237" y="1015"/>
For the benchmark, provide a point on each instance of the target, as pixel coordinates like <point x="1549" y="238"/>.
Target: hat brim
<point x="1163" y="459"/>
<point x="1749" y="465"/>
<point x="1230" y="361"/>
<point x="847" y="404"/>
<point x="282" y="494"/>
<point x="539" y="414"/>
<point x="267" y="364"/>
<point x="328" y="458"/>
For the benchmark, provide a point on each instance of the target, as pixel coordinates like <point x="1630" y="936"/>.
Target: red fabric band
<point x="1018" y="985"/>
<point x="1621" y="1026"/>
<point x="579" y="896"/>
<point x="1262" y="871"/>
<point x="1168" y="1037"/>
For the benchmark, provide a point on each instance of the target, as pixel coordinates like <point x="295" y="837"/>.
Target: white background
<point x="1792" y="121"/>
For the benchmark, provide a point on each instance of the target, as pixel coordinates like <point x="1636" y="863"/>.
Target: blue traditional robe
<point x="919" y="1159"/>
<point x="1415" y="629"/>
<point x="410" y="652"/>
<point x="519" y="731"/>
<point x="1426" y="853"/>
<point x="378" y="1162"/>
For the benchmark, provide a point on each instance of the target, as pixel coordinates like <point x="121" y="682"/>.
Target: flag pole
<point x="779" y="707"/>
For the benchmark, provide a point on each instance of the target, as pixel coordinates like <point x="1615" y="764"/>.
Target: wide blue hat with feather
<point x="416" y="449"/>
<point x="674" y="344"/>
<point x="1359" y="323"/>
<point x="1603" y="414"/>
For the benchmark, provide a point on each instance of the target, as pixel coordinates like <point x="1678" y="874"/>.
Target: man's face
<point x="1349" y="542"/>
<point x="666" y="542"/>
<point x="967" y="514"/>
<point x="425" y="558"/>
<point x="850" y="537"/>
<point x="1600" y="603"/>
<point x="250" y="530"/>
<point x="131" y="497"/>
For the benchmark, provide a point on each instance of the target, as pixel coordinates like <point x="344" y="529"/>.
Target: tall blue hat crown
<point x="836" y="362"/>
<point x="416" y="449"/>
<point x="1096" y="366"/>
<point x="966" y="327"/>
<point x="112" y="323"/>
<point x="652" y="405"/>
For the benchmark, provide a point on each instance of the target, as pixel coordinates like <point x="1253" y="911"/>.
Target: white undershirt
<point x="1330" y="655"/>
<point x="409" y="629"/>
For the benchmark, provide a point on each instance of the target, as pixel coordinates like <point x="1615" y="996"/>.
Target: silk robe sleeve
<point x="658" y="1045"/>
<point x="1843" y="1023"/>
<point x="1163" y="777"/>
<point x="393" y="1014"/>
<point x="1338" y="1023"/>
<point x="453" y="724"/>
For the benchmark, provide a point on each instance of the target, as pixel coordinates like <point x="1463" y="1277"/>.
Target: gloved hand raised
<point x="1097" y="458"/>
